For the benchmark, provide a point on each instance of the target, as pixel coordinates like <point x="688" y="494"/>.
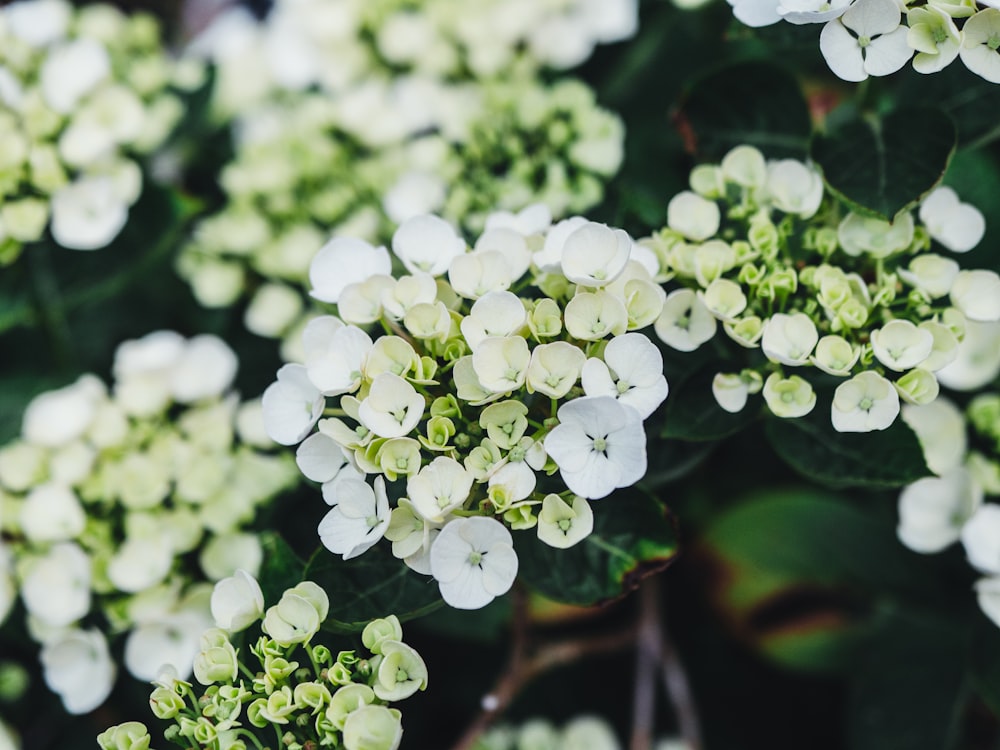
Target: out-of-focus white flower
<point x="58" y="417"/>
<point x="344" y="261"/>
<point x="237" y="602"/>
<point x="52" y="513"/>
<point x="141" y="562"/>
<point x="56" y="587"/>
<point x="794" y="187"/>
<point x="977" y="295"/>
<point x="88" y="213"/>
<point x="71" y="71"/>
<point x="205" y="369"/>
<point x="931" y="273"/>
<point x="599" y="445"/>
<point x="977" y="361"/>
<point x="933" y="510"/>
<point x="878" y="238"/>
<point x="78" y="666"/>
<point x="473" y="561"/>
<point x="693" y="216"/>
<point x="38" y="23"/>
<point x="956" y="225"/>
<point x="940" y="428"/>
<point x="988" y="597"/>
<point x="981" y="538"/>
<point x="291" y="406"/>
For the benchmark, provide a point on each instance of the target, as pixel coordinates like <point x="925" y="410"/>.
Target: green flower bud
<point x="217" y="661"/>
<point x="984" y="413"/>
<point x="482" y="459"/>
<point x="373" y="728"/>
<point x="401" y="672"/>
<point x="852" y="314"/>
<point x="446" y="406"/>
<point x="338" y="674"/>
<point x="399" y="456"/>
<point x="826" y="241"/>
<point x="347" y="699"/>
<point x="439" y="432"/>
<point x="277" y="668"/>
<point x="314" y="695"/>
<point x="165" y="703"/>
<point x="545" y="319"/>
<point x="25" y="219"/>
<point x="521" y="516"/>
<point x="555" y="285"/>
<point x="763" y="237"/>
<point x="229" y="740"/>
<point x="505" y="423"/>
<point x="275" y="709"/>
<point x="132" y="735"/>
<point x="377" y="631"/>
<point x="751" y="275"/>
<point x="204" y="732"/>
<point x="918" y="386"/>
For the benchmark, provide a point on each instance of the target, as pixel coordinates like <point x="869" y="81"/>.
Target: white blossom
<point x="439" y="488"/>
<point x="900" y="345"/>
<point x="977" y="361"/>
<point x="940" y="429"/>
<point x="693" y="216"/>
<point x="979" y="51"/>
<point x="427" y="244"/>
<point x="981" y="538"/>
<point x="78" y="667"/>
<point x="866" y="40"/>
<point x="56" y="587"/>
<point x="335" y="366"/>
<point x="473" y="561"/>
<point x="358" y="520"/>
<point x="344" y="261"/>
<point x="88" y="213"/>
<point x="977" y="295"/>
<point x="291" y="406"/>
<point x="494" y="314"/>
<point x="393" y="406"/>
<point x="58" y="417"/>
<point x="933" y="510"/>
<point x="789" y="339"/>
<point x="599" y="445"/>
<point x="685" y="322"/>
<point x="594" y="255"/>
<point x="632" y="372"/>
<point x="562" y="524"/>
<point x="864" y="403"/>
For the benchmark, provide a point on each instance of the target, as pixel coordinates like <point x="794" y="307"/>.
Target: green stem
<point x="251" y="736"/>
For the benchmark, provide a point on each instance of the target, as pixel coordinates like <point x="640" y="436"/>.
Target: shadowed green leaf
<point x="884" y="165"/>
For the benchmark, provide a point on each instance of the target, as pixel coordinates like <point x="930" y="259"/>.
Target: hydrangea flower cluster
<point x="473" y="393"/>
<point x="761" y="252"/>
<point x="84" y="93"/>
<point x="862" y="38"/>
<point x="383" y="132"/>
<point x="108" y="498"/>
<point x="580" y="733"/>
<point x="963" y="451"/>
<point x="295" y="690"/>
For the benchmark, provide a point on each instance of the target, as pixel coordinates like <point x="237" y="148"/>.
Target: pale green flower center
<point x="600" y="444"/>
<point x="866" y="403"/>
<point x="623" y="386"/>
<point x="864" y="41"/>
<point x="372" y="521"/>
<point x="475" y="558"/>
<point x="993" y="42"/>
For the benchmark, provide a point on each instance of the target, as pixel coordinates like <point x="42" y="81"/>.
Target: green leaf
<point x="907" y="692"/>
<point x="753" y="103"/>
<point x="810" y="445"/>
<point x="281" y="568"/>
<point x="373" y="585"/>
<point x="971" y="101"/>
<point x="882" y="166"/>
<point x="633" y="537"/>
<point x="692" y="412"/>
<point x="798" y="572"/>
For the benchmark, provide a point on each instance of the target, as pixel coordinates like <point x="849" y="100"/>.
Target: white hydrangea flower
<point x="724" y="298"/>
<point x="794" y="187"/>
<point x="273" y="309"/>
<point x="88" y="213"/>
<point x="834" y="355"/>
<point x="71" y="71"/>
<point x="933" y="510"/>
<point x="291" y="406"/>
<point x="414" y="193"/>
<point x="205" y="369"/>
<point x="474" y="274"/>
<point x="78" y="667"/>
<point x="52" y="513"/>
<point x="58" y="417"/>
<point x="393" y="407"/>
<point x="168" y="635"/>
<point x="685" y="323"/>
<point x="790" y="397"/>
<point x="501" y="363"/>
<point x="38" y="23"/>
<point x="427" y="244"/>
<point x="864" y="403"/>
<point x="595" y="254"/>
<point x="900" y="345"/>
<point x="979" y="51"/>
<point x="591" y="316"/>
<point x="866" y="40"/>
<point x="225" y="553"/>
<point x="549" y="258"/>
<point x="693" y="216"/>
<point x="407" y="292"/>
<point x="533" y="219"/>
<point x="632" y="372"/>
<point x="981" y="538"/>
<point x="336" y="365"/>
<point x="940" y="428"/>
<point x="495" y="314"/>
<point x="320" y="458"/>
<point x="563" y="524"/>
<point x="977" y="361"/>
<point x="511" y="245"/>
<point x="358" y="520"/>
<point x="344" y="261"/>
<point x="439" y="488"/>
<point x="473" y="561"/>
<point x="731" y="391"/>
<point x="930" y="273"/>
<point x="745" y="166"/>
<point x="789" y="339"/>
<point x="878" y="238"/>
<point x="599" y="445"/>
<point x="554" y="368"/>
<point x="141" y="562"/>
<point x="937" y="40"/>
<point x="56" y="587"/>
<point x="988" y="597"/>
<point x="977" y="295"/>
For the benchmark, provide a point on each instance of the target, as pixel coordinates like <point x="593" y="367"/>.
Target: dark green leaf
<point x="907" y="694"/>
<point x="884" y="165"/>
<point x="373" y="585"/>
<point x="692" y="412"/>
<point x="633" y="537"/>
<point x="281" y="568"/>
<point x="754" y="103"/>
<point x="890" y="458"/>
<point x="971" y="101"/>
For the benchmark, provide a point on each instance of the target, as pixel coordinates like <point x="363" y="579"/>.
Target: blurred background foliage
<point x="801" y="621"/>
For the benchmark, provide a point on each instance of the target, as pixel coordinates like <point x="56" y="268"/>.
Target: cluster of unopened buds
<point x="108" y="498"/>
<point x="282" y="685"/>
<point x="762" y="253"/>
<point x="962" y="449"/>
<point x="862" y="38"/>
<point x="83" y="94"/>
<point x="491" y="370"/>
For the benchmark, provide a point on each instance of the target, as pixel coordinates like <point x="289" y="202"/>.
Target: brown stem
<point x="527" y="663"/>
<point x="648" y="654"/>
<point x="678" y="688"/>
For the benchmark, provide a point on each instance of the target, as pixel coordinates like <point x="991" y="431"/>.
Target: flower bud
<point x="132" y="735"/>
<point x="373" y="728"/>
<point x="217" y="660"/>
<point x="237" y="602"/>
<point x="381" y="630"/>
